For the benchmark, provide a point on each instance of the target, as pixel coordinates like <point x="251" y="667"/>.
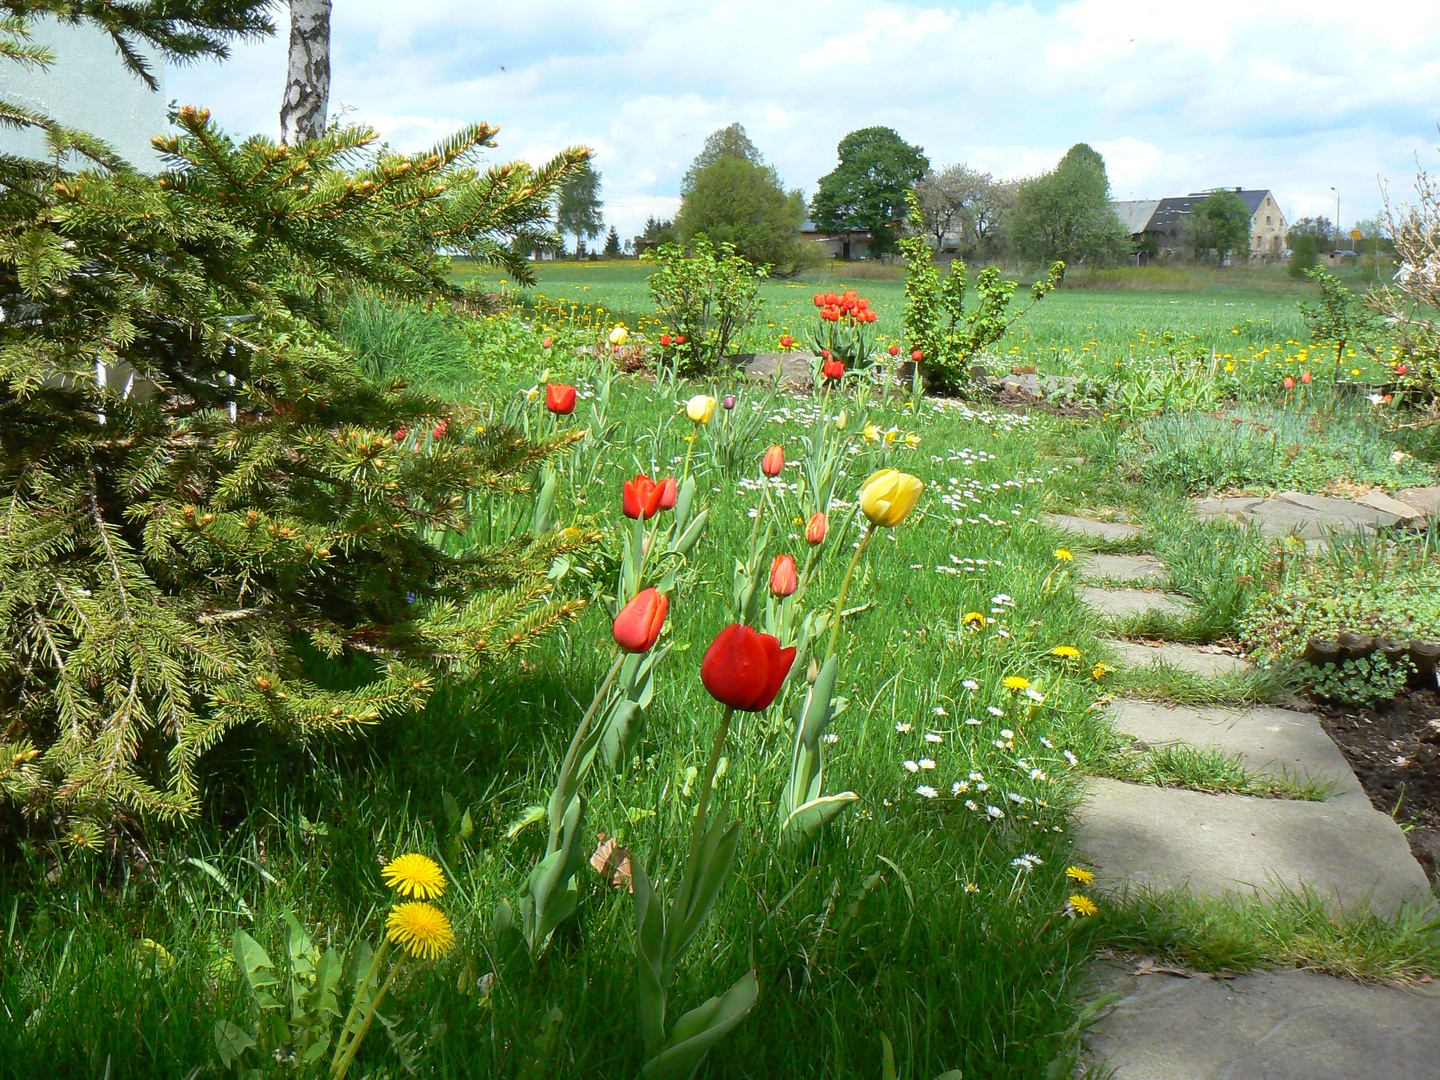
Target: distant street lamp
<point x="1337" y="219"/>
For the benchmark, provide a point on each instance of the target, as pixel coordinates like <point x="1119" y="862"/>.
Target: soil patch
<point x="1020" y="401"/>
<point x="1395" y="752"/>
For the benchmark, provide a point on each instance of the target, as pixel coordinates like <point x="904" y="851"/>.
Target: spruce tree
<point x="198" y="483"/>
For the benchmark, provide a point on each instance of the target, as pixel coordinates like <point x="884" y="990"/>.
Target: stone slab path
<point x="1185" y="657"/>
<point x="1285" y="1025"/>
<point x="1294" y="512"/>
<point x="1273" y="1025"/>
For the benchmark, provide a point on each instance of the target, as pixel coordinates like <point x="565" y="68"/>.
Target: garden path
<point x="1172" y="1024"/>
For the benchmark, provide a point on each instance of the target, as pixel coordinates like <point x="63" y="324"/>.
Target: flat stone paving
<point x="1184" y="657"/>
<point x="1277" y="1025"/>
<point x="1147" y="836"/>
<point x="1275" y="742"/>
<point x="1123" y="568"/>
<point x="1103" y="530"/>
<point x="1310" y="516"/>
<point x="1117" y="602"/>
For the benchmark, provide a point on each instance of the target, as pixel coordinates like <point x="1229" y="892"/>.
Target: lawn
<point x="935" y="915"/>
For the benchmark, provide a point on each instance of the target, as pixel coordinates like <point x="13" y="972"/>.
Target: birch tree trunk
<point x="307" y="81"/>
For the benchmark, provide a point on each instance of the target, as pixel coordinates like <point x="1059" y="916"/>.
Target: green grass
<point x="1211" y="770"/>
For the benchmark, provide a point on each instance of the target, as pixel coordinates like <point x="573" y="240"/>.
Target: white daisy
<point x="927" y="791"/>
<point x="927" y="763"/>
<point x="911" y="766"/>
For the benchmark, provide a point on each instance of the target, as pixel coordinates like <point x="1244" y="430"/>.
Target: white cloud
<point x="1290" y="95"/>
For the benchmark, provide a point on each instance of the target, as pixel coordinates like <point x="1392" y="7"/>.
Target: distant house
<point x="87" y="87"/>
<point x="1157" y="226"/>
<point x="852" y="244"/>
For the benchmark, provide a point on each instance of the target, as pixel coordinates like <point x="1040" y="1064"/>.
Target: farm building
<point x="1158" y="226"/>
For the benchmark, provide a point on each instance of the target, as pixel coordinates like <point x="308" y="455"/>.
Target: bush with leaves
<point x="937" y="324"/>
<point x="230" y="492"/>
<point x="708" y="296"/>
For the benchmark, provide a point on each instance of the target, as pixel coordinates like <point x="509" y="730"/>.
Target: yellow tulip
<point x="912" y="440"/>
<point x="841" y="420"/>
<point x="619" y="336"/>
<point x="700" y="408"/>
<point x="891" y="436"/>
<point x="872" y="432"/>
<point x="889" y="496"/>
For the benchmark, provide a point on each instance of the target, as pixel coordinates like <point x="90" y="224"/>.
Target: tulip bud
<point x="786" y="341"/>
<point x="917" y="356"/>
<point x="825" y="354"/>
<point x="545" y="344"/>
<point x="1305" y="376"/>
<point x="729" y="402"/>
<point x="813" y="672"/>
<point x="619" y="336"/>
<point x="815" y="530"/>
<point x="783" y="578"/>
<point x="842" y="419"/>
<point x="1288" y="383"/>
<point x="700" y="408"/>
<point x="889" y="496"/>
<point x="773" y="461"/>
<point x="638" y="625"/>
<point x="664" y="341"/>
<point x="679" y="339"/>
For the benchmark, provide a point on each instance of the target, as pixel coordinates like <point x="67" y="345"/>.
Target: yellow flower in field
<point x="972" y="618"/>
<point x="1082" y="905"/>
<point x="912" y="440"/>
<point x="700" y="408"/>
<point x="1099" y="671"/>
<point x="889" y="496"/>
<point x="1065" y="652"/>
<point x="414" y="875"/>
<point x="619" y="336"/>
<point x="872" y="432"/>
<point x="1063" y="554"/>
<point x="1015" y="683"/>
<point x="841" y="420"/>
<point x="422" y="929"/>
<point x="1080" y="874"/>
<point x="891" y="436"/>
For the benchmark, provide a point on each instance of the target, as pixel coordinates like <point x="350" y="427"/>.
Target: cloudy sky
<point x="1292" y="96"/>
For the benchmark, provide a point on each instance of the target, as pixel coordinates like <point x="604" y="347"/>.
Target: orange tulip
<point x="783" y="578"/>
<point x="773" y="461"/>
<point x="638" y="625"/>
<point x="560" y="398"/>
<point x="815" y="530"/>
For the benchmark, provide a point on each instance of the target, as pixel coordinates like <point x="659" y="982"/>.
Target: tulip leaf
<point x="810" y="817"/>
<point x="649" y="958"/>
<point x="717" y="856"/>
<point x="691" y="535"/>
<point x="700" y="1029"/>
<point x="684" y="499"/>
<point x="551" y="886"/>
<point x="818" y="702"/>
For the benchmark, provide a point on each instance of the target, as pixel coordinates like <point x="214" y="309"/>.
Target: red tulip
<point x="773" y="461"/>
<point x="786" y="341"/>
<point x="545" y="344"/>
<point x="669" y="493"/>
<point x="1388" y="398"/>
<point x="560" y="398"/>
<point x="639" y="622"/>
<point x="819" y="299"/>
<point x="640" y="497"/>
<point x="745" y="669"/>
<point x="815" y="530"/>
<point x="871" y="316"/>
<point x="679" y="339"/>
<point x="862" y="304"/>
<point x="1400" y="369"/>
<point x="664" y="341"/>
<point x="824" y="354"/>
<point x="783" y="579"/>
<point x="831" y="299"/>
<point x="894" y="350"/>
<point x="1289" y="383"/>
<point x="441" y="430"/>
<point x="833" y="369"/>
<point x="917" y="355"/>
<point x="1305" y="376"/>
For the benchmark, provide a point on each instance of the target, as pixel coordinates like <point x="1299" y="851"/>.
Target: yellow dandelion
<point x="1016" y="683"/>
<point x="972" y="618"/>
<point x="1082" y="905"/>
<point x="421" y="929"/>
<point x="1064" y="555"/>
<point x="1080" y="874"/>
<point x="1065" y="652"/>
<point x="414" y="875"/>
<point x="1099" y="671"/>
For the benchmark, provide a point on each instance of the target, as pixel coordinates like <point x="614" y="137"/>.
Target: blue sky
<point x="1295" y="97"/>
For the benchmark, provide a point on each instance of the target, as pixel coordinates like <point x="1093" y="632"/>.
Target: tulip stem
<point x="702" y="807"/>
<point x="567" y="777"/>
<point x="689" y="449"/>
<point x="845" y="589"/>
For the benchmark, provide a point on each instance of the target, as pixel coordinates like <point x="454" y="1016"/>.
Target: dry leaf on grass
<point x="613" y="864"/>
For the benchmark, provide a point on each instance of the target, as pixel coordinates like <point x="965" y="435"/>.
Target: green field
<point x="1089" y="325"/>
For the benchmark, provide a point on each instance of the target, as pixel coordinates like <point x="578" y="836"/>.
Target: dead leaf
<point x="612" y="863"/>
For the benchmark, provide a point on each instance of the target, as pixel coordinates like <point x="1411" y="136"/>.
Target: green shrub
<point x="707" y="296"/>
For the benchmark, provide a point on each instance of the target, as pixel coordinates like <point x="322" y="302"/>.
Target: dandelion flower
<point x="1016" y="683"/>
<point x="1099" y="671"/>
<point x="1082" y="905"/>
<point x="972" y="618"/>
<point x="1080" y="874"/>
<point x="414" y="875"/>
<point x="422" y="929"/>
<point x="1064" y="555"/>
<point x="1065" y="652"/>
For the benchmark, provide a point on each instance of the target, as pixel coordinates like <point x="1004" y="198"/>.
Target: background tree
<point x="170" y="556"/>
<point x="655" y="233"/>
<point x="612" y="243"/>
<point x="990" y="215"/>
<point x="946" y="200"/>
<point x="1220" y="223"/>
<point x="1066" y="213"/>
<point x="578" y="207"/>
<point x="307" y="79"/>
<point x="734" y="198"/>
<point x="1307" y="238"/>
<point x="867" y="190"/>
